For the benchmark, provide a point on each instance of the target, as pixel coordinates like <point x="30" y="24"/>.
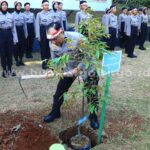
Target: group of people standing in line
<point x="131" y="26"/>
<point x="19" y="29"/>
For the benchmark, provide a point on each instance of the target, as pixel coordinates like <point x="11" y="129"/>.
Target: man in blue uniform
<point x="112" y="27"/>
<point x="66" y="43"/>
<point x="30" y="20"/>
<point x="122" y="18"/>
<point x="143" y="20"/>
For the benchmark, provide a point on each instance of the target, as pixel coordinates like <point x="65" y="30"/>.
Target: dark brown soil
<point x="29" y="136"/>
<point x="34" y="135"/>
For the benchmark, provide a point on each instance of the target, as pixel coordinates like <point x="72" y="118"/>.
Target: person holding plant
<point x="62" y="43"/>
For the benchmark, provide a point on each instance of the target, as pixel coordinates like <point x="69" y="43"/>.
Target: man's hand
<point x="75" y="71"/>
<point x="49" y="74"/>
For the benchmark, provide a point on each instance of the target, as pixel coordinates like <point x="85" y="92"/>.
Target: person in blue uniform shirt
<point x="43" y="19"/>
<point x="30" y="20"/>
<point x="112" y="27"/>
<point x="143" y="19"/>
<point x="132" y="31"/>
<point x="121" y="20"/>
<point x="57" y="17"/>
<point x="22" y="33"/>
<point x="66" y="43"/>
<point x="63" y="15"/>
<point x="127" y="38"/>
<point x="81" y="16"/>
<point x="104" y="21"/>
<point x="8" y="37"/>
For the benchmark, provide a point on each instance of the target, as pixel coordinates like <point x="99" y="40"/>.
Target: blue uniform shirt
<point x="7" y="22"/>
<point x="43" y="19"/>
<point x="19" y="19"/>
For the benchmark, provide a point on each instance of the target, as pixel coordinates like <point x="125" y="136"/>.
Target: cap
<point x="45" y="1"/>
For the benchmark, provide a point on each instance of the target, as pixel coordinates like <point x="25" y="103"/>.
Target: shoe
<point x="132" y="56"/>
<point x="142" y="48"/>
<point x="54" y="114"/>
<point x="17" y="63"/>
<point x="44" y="65"/>
<point x="11" y="73"/>
<point x="21" y="63"/>
<point x="4" y="74"/>
<point x="94" y="121"/>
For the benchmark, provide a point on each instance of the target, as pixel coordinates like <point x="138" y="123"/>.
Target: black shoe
<point x="94" y="121"/>
<point x="132" y="56"/>
<point x="52" y="116"/>
<point x="21" y="63"/>
<point x="11" y="73"/>
<point x="44" y="65"/>
<point x="142" y="48"/>
<point x="17" y="63"/>
<point x="4" y="74"/>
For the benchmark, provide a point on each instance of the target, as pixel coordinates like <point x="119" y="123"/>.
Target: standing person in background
<point x="112" y="27"/>
<point x="63" y="15"/>
<point x="57" y="17"/>
<point x="127" y="38"/>
<point x="143" y="18"/>
<point x="8" y="37"/>
<point x="132" y="30"/>
<point x="105" y="20"/>
<point x="43" y="19"/>
<point x="122" y="18"/>
<point x="81" y="15"/>
<point x="30" y="20"/>
<point x="21" y="27"/>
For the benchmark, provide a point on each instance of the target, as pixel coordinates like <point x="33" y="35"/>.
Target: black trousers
<point x="127" y="44"/>
<point x="44" y="44"/>
<point x="64" y="25"/>
<point x="143" y="35"/>
<point x="112" y="39"/>
<point x="30" y="39"/>
<point x="122" y="35"/>
<point x="133" y="40"/>
<point x="20" y="47"/>
<point x="6" y="48"/>
<point x="64" y="85"/>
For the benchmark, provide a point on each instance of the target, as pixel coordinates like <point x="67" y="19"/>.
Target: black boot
<point x="94" y="121"/>
<point x="4" y="74"/>
<point x="44" y="65"/>
<point x="54" y="114"/>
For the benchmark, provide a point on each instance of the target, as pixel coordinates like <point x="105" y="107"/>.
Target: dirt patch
<point x="32" y="134"/>
<point x="20" y="133"/>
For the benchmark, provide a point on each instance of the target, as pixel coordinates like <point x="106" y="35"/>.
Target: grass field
<point x="128" y="112"/>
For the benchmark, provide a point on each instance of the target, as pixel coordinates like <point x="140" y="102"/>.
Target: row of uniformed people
<point x="129" y="25"/>
<point x="25" y="26"/>
<point x="43" y="19"/>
